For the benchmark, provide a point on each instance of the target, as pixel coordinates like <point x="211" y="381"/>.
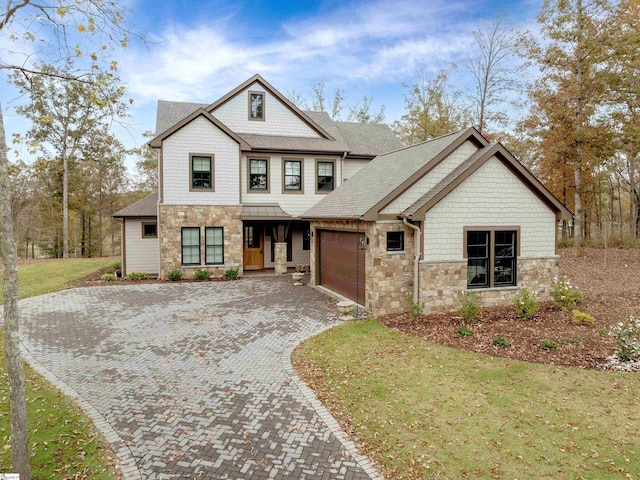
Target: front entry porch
<point x="261" y="239"/>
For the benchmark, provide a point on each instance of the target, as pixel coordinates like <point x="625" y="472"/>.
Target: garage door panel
<point x="342" y="263"/>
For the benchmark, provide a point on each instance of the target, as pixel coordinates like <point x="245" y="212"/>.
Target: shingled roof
<point x="146" y="207"/>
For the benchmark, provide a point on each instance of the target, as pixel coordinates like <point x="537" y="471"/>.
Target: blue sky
<point x="200" y="50"/>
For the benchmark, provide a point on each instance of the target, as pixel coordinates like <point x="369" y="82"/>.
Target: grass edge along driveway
<point x="63" y="442"/>
<point x="421" y="410"/>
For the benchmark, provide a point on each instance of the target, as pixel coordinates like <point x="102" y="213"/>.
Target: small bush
<point x="111" y="268"/>
<point x="627" y="335"/>
<point x="548" y="345"/>
<point x="564" y="295"/>
<point x="501" y="342"/>
<point x="470" y="306"/>
<point x="109" y="277"/>
<point x="526" y="304"/>
<point x="201" y="274"/>
<point x="465" y="332"/>
<point x="175" y="275"/>
<point x="137" y="276"/>
<point x="416" y="309"/>
<point x="231" y="273"/>
<point x="583" y="318"/>
<point x="603" y="331"/>
<point x="565" y="243"/>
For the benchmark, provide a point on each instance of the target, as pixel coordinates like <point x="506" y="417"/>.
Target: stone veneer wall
<point x="389" y="275"/>
<point x="442" y="283"/>
<point x="173" y="217"/>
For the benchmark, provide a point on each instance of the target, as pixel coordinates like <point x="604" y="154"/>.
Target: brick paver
<point x="193" y="380"/>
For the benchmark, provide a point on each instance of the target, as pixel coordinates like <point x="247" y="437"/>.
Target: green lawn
<point x="426" y="411"/>
<point x="63" y="442"/>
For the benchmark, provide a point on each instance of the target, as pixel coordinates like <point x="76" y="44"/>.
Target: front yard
<point x="423" y="409"/>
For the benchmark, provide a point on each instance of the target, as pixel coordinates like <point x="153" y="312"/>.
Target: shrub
<point x="201" y="274"/>
<point x="564" y="295"/>
<point x="231" y="273"/>
<point x="526" y="303"/>
<point x="565" y="243"/>
<point x="111" y="268"/>
<point x="583" y="318"/>
<point x="548" y="345"/>
<point x="465" y="332"/>
<point x="416" y="309"/>
<point x="175" y="275"/>
<point x="627" y="335"/>
<point x="137" y="276"/>
<point x="501" y="342"/>
<point x="109" y="277"/>
<point x="469" y="306"/>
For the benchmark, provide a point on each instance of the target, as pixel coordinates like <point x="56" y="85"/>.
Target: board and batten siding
<point x="202" y="137"/>
<point x="279" y="119"/>
<point x="431" y="179"/>
<point x="492" y="196"/>
<point x="293" y="203"/>
<point x="142" y="254"/>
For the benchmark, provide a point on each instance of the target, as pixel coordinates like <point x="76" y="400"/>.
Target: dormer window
<point x="256" y="106"/>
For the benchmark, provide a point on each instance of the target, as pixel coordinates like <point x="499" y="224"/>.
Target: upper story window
<point x="491" y="258"/>
<point x="325" y="176"/>
<point x="256" y="106"/>
<point x="395" y="241"/>
<point x="258" y="175"/>
<point x="201" y="167"/>
<point x="149" y="230"/>
<point x="292" y="176"/>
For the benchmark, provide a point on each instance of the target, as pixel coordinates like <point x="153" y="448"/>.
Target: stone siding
<point x="443" y="283"/>
<point x="170" y="222"/>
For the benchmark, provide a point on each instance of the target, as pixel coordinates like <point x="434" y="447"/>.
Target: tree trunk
<point x="577" y="217"/>
<point x="17" y="392"/>
<point x="65" y="203"/>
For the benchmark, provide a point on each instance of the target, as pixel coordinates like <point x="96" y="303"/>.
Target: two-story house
<point x="235" y="176"/>
<point x="251" y="182"/>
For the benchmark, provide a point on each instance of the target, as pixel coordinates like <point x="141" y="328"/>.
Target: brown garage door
<point x="341" y="260"/>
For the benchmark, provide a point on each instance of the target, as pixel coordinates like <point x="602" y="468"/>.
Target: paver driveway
<point x="193" y="380"/>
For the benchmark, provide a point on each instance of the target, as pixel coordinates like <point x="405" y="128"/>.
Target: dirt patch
<point x="610" y="282"/>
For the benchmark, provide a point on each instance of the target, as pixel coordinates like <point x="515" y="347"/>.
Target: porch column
<point x="280" y="266"/>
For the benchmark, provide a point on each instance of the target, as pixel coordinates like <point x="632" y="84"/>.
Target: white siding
<point x="298" y="255"/>
<point x="279" y="120"/>
<point x="292" y="203"/>
<point x="200" y="136"/>
<point x="490" y="196"/>
<point x="431" y="179"/>
<point x="352" y="166"/>
<point x="141" y="253"/>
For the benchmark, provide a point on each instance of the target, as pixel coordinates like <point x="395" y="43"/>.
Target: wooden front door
<point x="253" y="246"/>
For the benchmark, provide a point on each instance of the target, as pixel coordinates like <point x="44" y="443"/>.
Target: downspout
<point x="344" y="155"/>
<point x="416" y="260"/>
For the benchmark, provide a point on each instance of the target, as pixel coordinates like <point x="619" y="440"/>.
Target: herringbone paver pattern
<point x="191" y="377"/>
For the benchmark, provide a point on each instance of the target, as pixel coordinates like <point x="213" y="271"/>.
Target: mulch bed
<point x="611" y="290"/>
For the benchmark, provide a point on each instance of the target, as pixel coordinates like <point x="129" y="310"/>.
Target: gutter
<point x="416" y="260"/>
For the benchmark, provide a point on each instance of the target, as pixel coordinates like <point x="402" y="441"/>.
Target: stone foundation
<point x="443" y="283"/>
<point x="172" y="218"/>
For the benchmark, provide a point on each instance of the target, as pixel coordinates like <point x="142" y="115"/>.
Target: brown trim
<point x="271" y="89"/>
<point x="157" y="141"/>
<point x="240" y="162"/>
<point x="212" y="157"/>
<point x="315" y="175"/>
<point x="471" y="134"/>
<point x="284" y="151"/>
<point x="123" y="247"/>
<point x="299" y="160"/>
<point x="142" y="224"/>
<point x="248" y="177"/>
<point x="490" y="228"/>
<point x="264" y="106"/>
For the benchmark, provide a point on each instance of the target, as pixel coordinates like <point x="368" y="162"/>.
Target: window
<point x="214" y="246"/>
<point x="190" y="246"/>
<point x="306" y="239"/>
<point x="491" y="258"/>
<point x="292" y="176"/>
<point x="256" y="106"/>
<point x="395" y="241"/>
<point x="325" y="176"/>
<point x="201" y="172"/>
<point x="258" y="174"/>
<point x="149" y="230"/>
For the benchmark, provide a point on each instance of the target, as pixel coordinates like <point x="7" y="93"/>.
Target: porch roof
<point x="264" y="211"/>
